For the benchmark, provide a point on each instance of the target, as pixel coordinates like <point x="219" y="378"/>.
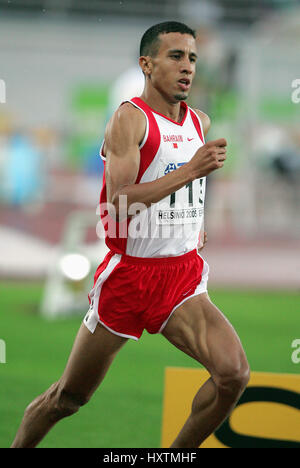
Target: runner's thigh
<point x="90" y="358"/>
<point x="200" y="329"/>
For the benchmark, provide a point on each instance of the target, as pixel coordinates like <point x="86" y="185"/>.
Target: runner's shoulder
<point x="205" y="120"/>
<point x="127" y="122"/>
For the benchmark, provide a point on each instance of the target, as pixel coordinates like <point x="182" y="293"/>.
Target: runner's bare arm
<point x="123" y="135"/>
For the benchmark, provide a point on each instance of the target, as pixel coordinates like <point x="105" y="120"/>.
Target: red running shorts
<point x="131" y="294"/>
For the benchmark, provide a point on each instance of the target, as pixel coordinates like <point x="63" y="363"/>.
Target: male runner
<point x="153" y="278"/>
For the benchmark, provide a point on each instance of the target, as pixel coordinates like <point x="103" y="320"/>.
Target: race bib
<point x="186" y="205"/>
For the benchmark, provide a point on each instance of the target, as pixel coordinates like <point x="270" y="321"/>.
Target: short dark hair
<point x="150" y="40"/>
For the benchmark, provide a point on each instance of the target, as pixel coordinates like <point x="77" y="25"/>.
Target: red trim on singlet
<point x="196" y="122"/>
<point x="145" y="107"/>
<point x="150" y="148"/>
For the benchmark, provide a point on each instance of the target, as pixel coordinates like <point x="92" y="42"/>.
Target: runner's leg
<point x="90" y="358"/>
<point x="199" y="329"/>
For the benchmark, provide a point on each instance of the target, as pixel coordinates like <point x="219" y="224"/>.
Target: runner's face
<point x="173" y="68"/>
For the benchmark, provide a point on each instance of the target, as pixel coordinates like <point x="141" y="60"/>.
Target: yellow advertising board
<point x="267" y="415"/>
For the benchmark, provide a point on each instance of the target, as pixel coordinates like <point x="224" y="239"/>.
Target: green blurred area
<point x="126" y="410"/>
<point x="88" y="113"/>
<point x="89" y="110"/>
<point x="229" y="115"/>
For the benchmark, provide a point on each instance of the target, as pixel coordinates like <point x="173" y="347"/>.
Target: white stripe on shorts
<point x="92" y="318"/>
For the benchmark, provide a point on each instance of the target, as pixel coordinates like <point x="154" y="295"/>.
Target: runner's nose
<point x="187" y="66"/>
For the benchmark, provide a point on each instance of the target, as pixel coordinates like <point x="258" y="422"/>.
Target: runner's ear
<point x="146" y="64"/>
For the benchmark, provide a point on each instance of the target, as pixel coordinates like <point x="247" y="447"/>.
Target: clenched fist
<point x="208" y="158"/>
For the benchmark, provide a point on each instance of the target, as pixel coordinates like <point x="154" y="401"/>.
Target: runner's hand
<point x="208" y="158"/>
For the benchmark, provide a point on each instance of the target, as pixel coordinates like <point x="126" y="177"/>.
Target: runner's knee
<point x="60" y="402"/>
<point x="232" y="380"/>
<point x="68" y="403"/>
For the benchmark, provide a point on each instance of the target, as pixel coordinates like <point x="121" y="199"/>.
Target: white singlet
<point x="172" y="226"/>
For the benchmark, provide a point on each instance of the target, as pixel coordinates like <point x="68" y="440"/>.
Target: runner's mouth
<point x="184" y="83"/>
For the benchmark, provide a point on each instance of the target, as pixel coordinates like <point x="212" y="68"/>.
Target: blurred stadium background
<point x="64" y="68"/>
